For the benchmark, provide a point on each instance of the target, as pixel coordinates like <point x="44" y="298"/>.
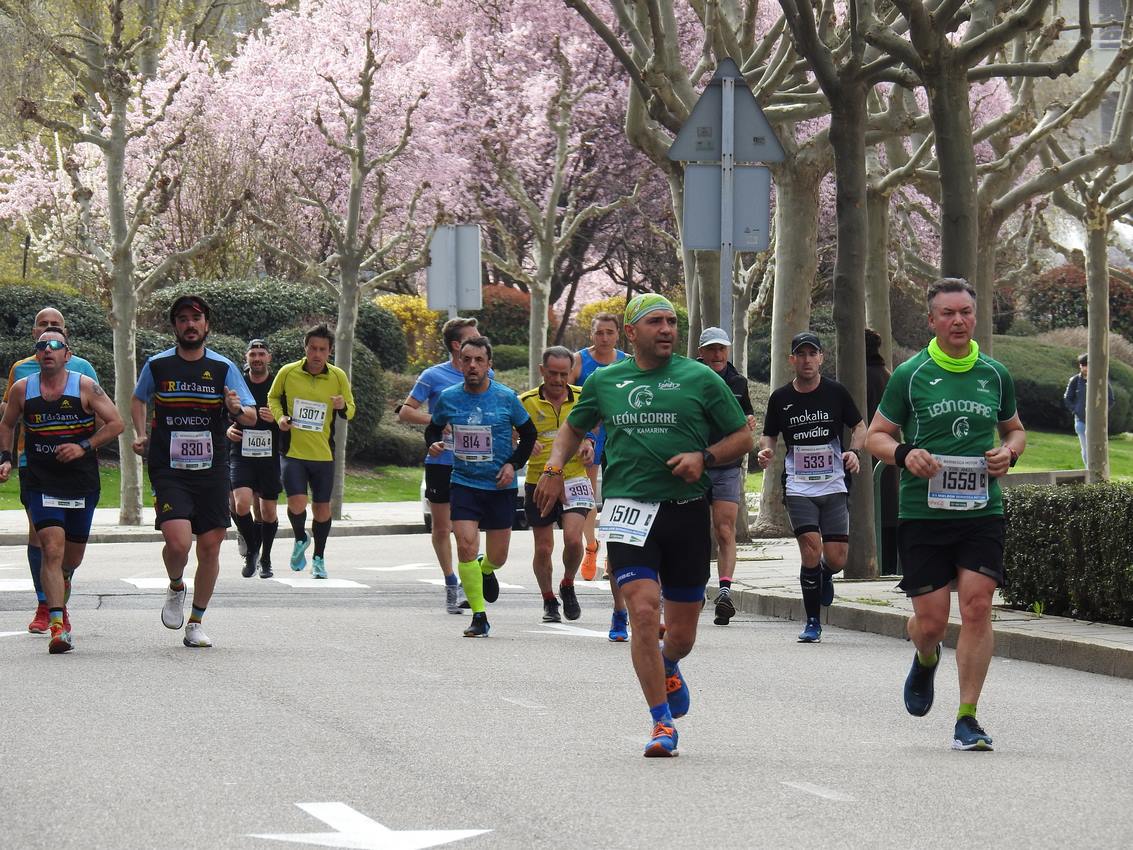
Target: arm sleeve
<point x="143" y="391"/>
<point x="527" y="435"/>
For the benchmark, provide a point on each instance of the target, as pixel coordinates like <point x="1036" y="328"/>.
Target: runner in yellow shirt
<point x="306" y="398"/>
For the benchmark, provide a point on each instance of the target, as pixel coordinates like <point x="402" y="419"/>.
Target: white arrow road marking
<point x="400" y="568"/>
<point x="14" y="584"/>
<point x="503" y="585"/>
<point x="13" y="634"/>
<point x="146" y="583"/>
<point x="306" y="581"/>
<point x="819" y="791"/>
<point x="563" y="628"/>
<point x="354" y="830"/>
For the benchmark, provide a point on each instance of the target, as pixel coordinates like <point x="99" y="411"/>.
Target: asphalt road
<point x="358" y="716"/>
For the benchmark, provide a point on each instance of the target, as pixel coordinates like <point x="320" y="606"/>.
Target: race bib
<point x="626" y="521"/>
<point x="579" y="493"/>
<point x="813" y="463"/>
<point x="308" y="415"/>
<point x="960" y="485"/>
<point x="56" y="502"/>
<point x="473" y="443"/>
<point x="449" y="441"/>
<point x="190" y="449"/>
<point x="256" y="443"/>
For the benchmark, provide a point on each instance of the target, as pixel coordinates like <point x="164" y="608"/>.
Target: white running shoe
<point x="173" y="611"/>
<point x="455" y="600"/>
<point x="195" y="636"/>
<point x="242" y="545"/>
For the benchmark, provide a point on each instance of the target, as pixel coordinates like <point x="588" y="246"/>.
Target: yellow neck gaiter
<point x="954" y="364"/>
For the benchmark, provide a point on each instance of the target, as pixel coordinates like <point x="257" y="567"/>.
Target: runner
<point x="45" y="319"/>
<point x="660" y="409"/>
<point x="549" y="404"/>
<point x="438" y="470"/>
<point x="253" y="467"/>
<point x="727" y="481"/>
<point x="604" y="330"/>
<point x="812" y="412"/>
<point x="949" y="403"/>
<point x="305" y="398"/>
<point x="194" y="390"/>
<point x="482" y="414"/>
<point x="59" y="484"/>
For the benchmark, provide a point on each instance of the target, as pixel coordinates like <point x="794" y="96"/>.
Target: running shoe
<point x="299" y="554"/>
<point x="827" y="597"/>
<point x="551" y="611"/>
<point x="571" y="609"/>
<point x="725" y="608"/>
<point x="61" y="642"/>
<point x="479" y="627"/>
<point x="663" y="742"/>
<point x="676" y="692"/>
<point x="318" y="567"/>
<point x="812" y="632"/>
<point x="919" y="689"/>
<point x="265" y="569"/>
<point x="251" y="561"/>
<point x="589" y="567"/>
<point x="195" y="636"/>
<point x="66" y="620"/>
<point x="969" y="735"/>
<point x="452" y="598"/>
<point x="491" y="586"/>
<point x="241" y="545"/>
<point x="173" y="611"/>
<point x="41" y="622"/>
<point x="619" y="627"/>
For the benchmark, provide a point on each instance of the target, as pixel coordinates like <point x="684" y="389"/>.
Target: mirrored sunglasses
<point x="53" y="344"/>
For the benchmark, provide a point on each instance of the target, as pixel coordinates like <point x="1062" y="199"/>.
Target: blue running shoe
<point x="812" y="632"/>
<point x="479" y="627"/>
<point x="299" y="554"/>
<point x="318" y="567"/>
<point x="827" y="597"/>
<point x="663" y="742"/>
<point x="676" y="692"/>
<point x="619" y="627"/>
<point x="970" y="736"/>
<point x="919" y="689"/>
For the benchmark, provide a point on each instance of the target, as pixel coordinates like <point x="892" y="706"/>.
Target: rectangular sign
<point x="751" y="208"/>
<point x="452" y="280"/>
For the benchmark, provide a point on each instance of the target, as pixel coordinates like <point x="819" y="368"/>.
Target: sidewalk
<point x="766" y="582"/>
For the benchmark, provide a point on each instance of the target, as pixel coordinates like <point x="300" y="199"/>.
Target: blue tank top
<point x="50" y="424"/>
<point x="590" y="365"/>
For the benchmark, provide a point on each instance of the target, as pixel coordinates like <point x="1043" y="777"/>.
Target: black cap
<point x="805" y="338"/>
<point x="258" y="343"/>
<point x="193" y="302"/>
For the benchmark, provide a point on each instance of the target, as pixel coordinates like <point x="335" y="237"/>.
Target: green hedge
<point x="87" y="320"/>
<point x="509" y="356"/>
<point x="1070" y="551"/>
<point x="367" y="380"/>
<point x="399" y="444"/>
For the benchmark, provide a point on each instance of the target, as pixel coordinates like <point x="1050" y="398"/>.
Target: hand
<point x="765" y="456"/>
<point x="586" y="452"/>
<point x="850" y="462"/>
<point x="140" y="445"/>
<point x="5" y="471"/>
<point x="922" y="464"/>
<point x="751" y="423"/>
<point x="537" y="448"/>
<point x="338" y="402"/>
<point x="265" y="414"/>
<point x="688" y="466"/>
<point x="506" y="477"/>
<point x="285" y="423"/>
<point x="549" y="491"/>
<point x="998" y="461"/>
<point x="234" y="434"/>
<point x="232" y="400"/>
<point x="437" y="449"/>
<point x="68" y="452"/>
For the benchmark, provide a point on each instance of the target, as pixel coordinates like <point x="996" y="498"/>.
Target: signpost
<point x="726" y="126"/>
<point x="452" y="280"/>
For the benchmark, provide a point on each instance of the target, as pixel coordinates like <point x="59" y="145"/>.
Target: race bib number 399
<point x="579" y="493"/>
<point x="190" y="449"/>
<point x="960" y="485"/>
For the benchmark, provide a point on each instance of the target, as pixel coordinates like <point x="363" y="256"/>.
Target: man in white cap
<point x="727" y="481"/>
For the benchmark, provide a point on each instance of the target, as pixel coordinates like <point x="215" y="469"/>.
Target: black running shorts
<point x="677" y="549"/>
<point x="203" y="500"/>
<point x="932" y="550"/>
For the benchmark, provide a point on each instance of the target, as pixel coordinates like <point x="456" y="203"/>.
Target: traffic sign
<point x="751" y="205"/>
<point x="452" y="280"/>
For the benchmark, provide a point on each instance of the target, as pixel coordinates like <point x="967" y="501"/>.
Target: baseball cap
<point x="805" y="338"/>
<point x="193" y="302"/>
<point x="641" y="305"/>
<point x="258" y="343"/>
<point x="714" y="336"/>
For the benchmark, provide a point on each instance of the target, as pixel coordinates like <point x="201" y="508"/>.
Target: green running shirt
<point x="651" y="416"/>
<point x="948" y="413"/>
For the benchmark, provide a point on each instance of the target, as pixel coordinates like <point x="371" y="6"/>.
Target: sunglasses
<point x="53" y="344"/>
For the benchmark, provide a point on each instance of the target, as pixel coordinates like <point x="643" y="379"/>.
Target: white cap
<point x="714" y="336"/>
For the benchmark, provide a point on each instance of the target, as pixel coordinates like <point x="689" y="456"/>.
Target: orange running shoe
<point x="41" y="621"/>
<point x="663" y="741"/>
<point x="589" y="567"/>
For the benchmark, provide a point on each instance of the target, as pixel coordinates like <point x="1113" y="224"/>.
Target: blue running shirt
<point x="430" y="384"/>
<point x="482" y="425"/>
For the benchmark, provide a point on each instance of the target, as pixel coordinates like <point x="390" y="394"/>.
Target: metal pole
<point x="727" y="204"/>
<point x="450" y="263"/>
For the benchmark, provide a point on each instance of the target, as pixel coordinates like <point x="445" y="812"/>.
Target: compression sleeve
<point x="433" y="433"/>
<point x="527" y="435"/>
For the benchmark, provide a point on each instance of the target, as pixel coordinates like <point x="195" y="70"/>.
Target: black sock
<point x="268" y="534"/>
<point x="826" y="571"/>
<point x="322" y="532"/>
<point x="298" y="521"/>
<point x="247" y="528"/>
<point x="811" y="580"/>
<point x="725" y="584"/>
<point x="258" y="534"/>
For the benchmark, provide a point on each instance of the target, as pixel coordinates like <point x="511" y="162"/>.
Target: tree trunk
<point x="1097" y="318"/>
<point x="348" y="298"/>
<point x="708" y="285"/>
<point x="537" y="326"/>
<point x="877" y="312"/>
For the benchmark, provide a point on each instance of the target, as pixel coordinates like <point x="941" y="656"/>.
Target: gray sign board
<point x="752" y="208"/>
<point x="452" y="280"/>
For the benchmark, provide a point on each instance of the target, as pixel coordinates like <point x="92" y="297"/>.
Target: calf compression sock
<point x="298" y="523"/>
<point x="268" y="538"/>
<point x="197" y="615"/>
<point x="967" y="709"/>
<point x="487" y="566"/>
<point x="321" y="528"/>
<point x="473" y="580"/>
<point x="247" y="528"/>
<point x="35" y="564"/>
<point x="811" y="580"/>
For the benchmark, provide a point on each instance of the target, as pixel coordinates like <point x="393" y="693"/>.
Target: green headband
<point x="639" y="305"/>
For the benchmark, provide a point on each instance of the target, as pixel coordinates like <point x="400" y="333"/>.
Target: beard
<point x="191" y="344"/>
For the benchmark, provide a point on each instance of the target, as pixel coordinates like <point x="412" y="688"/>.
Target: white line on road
<point x="400" y="568"/>
<point x="503" y="585"/>
<point x="819" y="791"/>
<point x="524" y="704"/>
<point x="571" y="631"/>
<point x="148" y="583"/>
<point x="354" y="829"/>
<point x="13" y="634"/>
<point x="14" y="584"/>
<point x="320" y="583"/>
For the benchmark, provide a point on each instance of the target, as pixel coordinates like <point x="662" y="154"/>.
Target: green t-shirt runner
<point x="948" y="413"/>
<point x="651" y="416"/>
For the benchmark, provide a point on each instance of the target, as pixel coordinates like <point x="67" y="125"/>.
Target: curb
<point x="1060" y="651"/>
<point x="150" y="535"/>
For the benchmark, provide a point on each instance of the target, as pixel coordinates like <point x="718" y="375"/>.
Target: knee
<point x="677" y="644"/>
<point x="441" y="530"/>
<point x="178" y="549"/>
<point x="725" y="533"/>
<point x="932" y="626"/>
<point x="975" y="608"/>
<point x="644" y="609"/>
<point x="544" y="549"/>
<point x="835" y="561"/>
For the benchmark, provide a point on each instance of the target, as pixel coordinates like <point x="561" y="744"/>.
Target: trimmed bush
<point x="509" y="357"/>
<point x="504" y="316"/>
<point x="86" y="319"/>
<point x="1057" y="299"/>
<point x="367" y="380"/>
<point x="380" y="331"/>
<point x="1068" y="551"/>
<point x="399" y="444"/>
<point x="1119" y="347"/>
<point x="420" y="325"/>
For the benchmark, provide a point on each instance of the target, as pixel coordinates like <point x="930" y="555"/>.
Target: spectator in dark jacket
<point x="1075" y="401"/>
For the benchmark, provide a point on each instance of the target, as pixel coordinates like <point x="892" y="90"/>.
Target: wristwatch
<point x="86" y="446"/>
<point x="709" y="458"/>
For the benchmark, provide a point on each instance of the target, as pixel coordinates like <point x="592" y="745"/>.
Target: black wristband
<point x="86" y="446"/>
<point x="901" y="452"/>
<point x="5" y="457"/>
